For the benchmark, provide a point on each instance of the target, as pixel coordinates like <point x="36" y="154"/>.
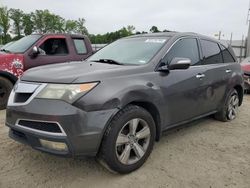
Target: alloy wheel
<point x="133" y="141"/>
<point x="233" y="105"/>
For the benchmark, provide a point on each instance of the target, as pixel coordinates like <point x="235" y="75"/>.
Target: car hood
<point x="77" y="72"/>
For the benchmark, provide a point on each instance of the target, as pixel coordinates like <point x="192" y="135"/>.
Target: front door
<point x="182" y="89"/>
<point x="51" y="50"/>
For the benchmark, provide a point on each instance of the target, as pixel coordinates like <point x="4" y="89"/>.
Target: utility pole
<point x="219" y="34"/>
<point x="231" y="38"/>
<point x="248" y="34"/>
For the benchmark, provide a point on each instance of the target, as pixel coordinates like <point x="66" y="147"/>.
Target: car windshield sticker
<point x="155" y="40"/>
<point x="142" y="61"/>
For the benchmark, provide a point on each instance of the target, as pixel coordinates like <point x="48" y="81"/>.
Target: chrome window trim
<point x="40" y="87"/>
<point x="177" y="40"/>
<point x="39" y="131"/>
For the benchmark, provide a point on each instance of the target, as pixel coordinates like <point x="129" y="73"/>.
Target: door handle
<point x="228" y="71"/>
<point x="199" y="76"/>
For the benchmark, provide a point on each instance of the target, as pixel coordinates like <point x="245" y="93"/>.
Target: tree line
<point x="21" y="24"/>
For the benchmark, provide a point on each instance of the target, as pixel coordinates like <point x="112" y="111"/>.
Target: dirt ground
<point x="206" y="153"/>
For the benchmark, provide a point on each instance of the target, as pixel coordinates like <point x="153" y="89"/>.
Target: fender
<point x="12" y="64"/>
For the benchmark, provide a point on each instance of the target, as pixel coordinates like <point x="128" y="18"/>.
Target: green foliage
<point x="47" y="22"/>
<point x="5" y="23"/>
<point x="70" y="25"/>
<point x="39" y="21"/>
<point x="16" y="15"/>
<point x="80" y="27"/>
<point x="17" y="37"/>
<point x="28" y="24"/>
<point x="112" y="36"/>
<point x="154" y="29"/>
<point x="43" y="21"/>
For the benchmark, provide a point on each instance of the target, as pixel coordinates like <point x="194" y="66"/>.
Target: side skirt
<point x="188" y="121"/>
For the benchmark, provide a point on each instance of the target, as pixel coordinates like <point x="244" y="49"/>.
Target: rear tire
<point x="5" y="89"/>
<point x="229" y="110"/>
<point x="128" y="140"/>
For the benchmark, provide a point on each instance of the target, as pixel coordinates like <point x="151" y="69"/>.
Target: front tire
<point x="229" y="110"/>
<point x="5" y="89"/>
<point x="128" y="140"/>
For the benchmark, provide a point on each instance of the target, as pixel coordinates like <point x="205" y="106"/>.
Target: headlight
<point x="66" y="92"/>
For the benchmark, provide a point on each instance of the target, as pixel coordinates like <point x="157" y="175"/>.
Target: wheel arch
<point x="240" y="92"/>
<point x="152" y="109"/>
<point x="8" y="76"/>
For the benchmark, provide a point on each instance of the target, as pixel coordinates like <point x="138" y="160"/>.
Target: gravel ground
<point x="206" y="153"/>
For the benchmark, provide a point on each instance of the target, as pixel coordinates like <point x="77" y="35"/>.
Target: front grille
<point x="41" y="126"/>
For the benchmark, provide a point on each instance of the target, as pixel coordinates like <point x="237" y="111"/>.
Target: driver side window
<point x="54" y="46"/>
<point x="184" y="48"/>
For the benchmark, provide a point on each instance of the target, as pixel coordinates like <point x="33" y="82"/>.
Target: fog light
<point x="59" y="146"/>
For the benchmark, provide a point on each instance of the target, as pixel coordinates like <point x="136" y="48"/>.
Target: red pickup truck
<point x="36" y="50"/>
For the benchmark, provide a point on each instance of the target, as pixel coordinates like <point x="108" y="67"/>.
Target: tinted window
<point x="54" y="46"/>
<point x="211" y="52"/>
<point x="184" y="48"/>
<point x="80" y="46"/>
<point x="227" y="57"/>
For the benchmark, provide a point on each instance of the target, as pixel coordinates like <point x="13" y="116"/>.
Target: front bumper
<point x="81" y="131"/>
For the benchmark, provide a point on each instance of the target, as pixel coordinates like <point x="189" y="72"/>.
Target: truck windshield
<point x="135" y="51"/>
<point x="22" y="44"/>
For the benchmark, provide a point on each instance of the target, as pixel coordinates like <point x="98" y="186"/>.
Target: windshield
<point x="6" y="45"/>
<point x="133" y="51"/>
<point x="22" y="44"/>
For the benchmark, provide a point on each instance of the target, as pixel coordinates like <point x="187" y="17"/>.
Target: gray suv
<point x="116" y="104"/>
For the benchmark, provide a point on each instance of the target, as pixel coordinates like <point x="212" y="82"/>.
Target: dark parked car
<point x="245" y="65"/>
<point x="36" y="50"/>
<point x="117" y="103"/>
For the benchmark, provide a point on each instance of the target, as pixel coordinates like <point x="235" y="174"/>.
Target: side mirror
<point x="163" y="68"/>
<point x="35" y="51"/>
<point x="179" y="63"/>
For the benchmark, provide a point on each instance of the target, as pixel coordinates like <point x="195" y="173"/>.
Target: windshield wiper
<point x="109" y="61"/>
<point x="4" y="50"/>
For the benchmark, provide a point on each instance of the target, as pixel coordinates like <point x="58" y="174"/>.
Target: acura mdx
<point x="117" y="103"/>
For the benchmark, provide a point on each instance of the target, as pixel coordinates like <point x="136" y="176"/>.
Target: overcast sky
<point x="205" y="17"/>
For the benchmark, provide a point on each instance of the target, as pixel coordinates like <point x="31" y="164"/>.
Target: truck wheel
<point x="229" y="110"/>
<point x="128" y="140"/>
<point x="5" y="89"/>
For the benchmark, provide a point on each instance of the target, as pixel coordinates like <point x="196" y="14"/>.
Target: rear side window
<point x="80" y="46"/>
<point x="184" y="48"/>
<point x="227" y="57"/>
<point x="211" y="52"/>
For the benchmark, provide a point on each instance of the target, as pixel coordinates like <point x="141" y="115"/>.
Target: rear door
<point x="231" y="65"/>
<point x="216" y="75"/>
